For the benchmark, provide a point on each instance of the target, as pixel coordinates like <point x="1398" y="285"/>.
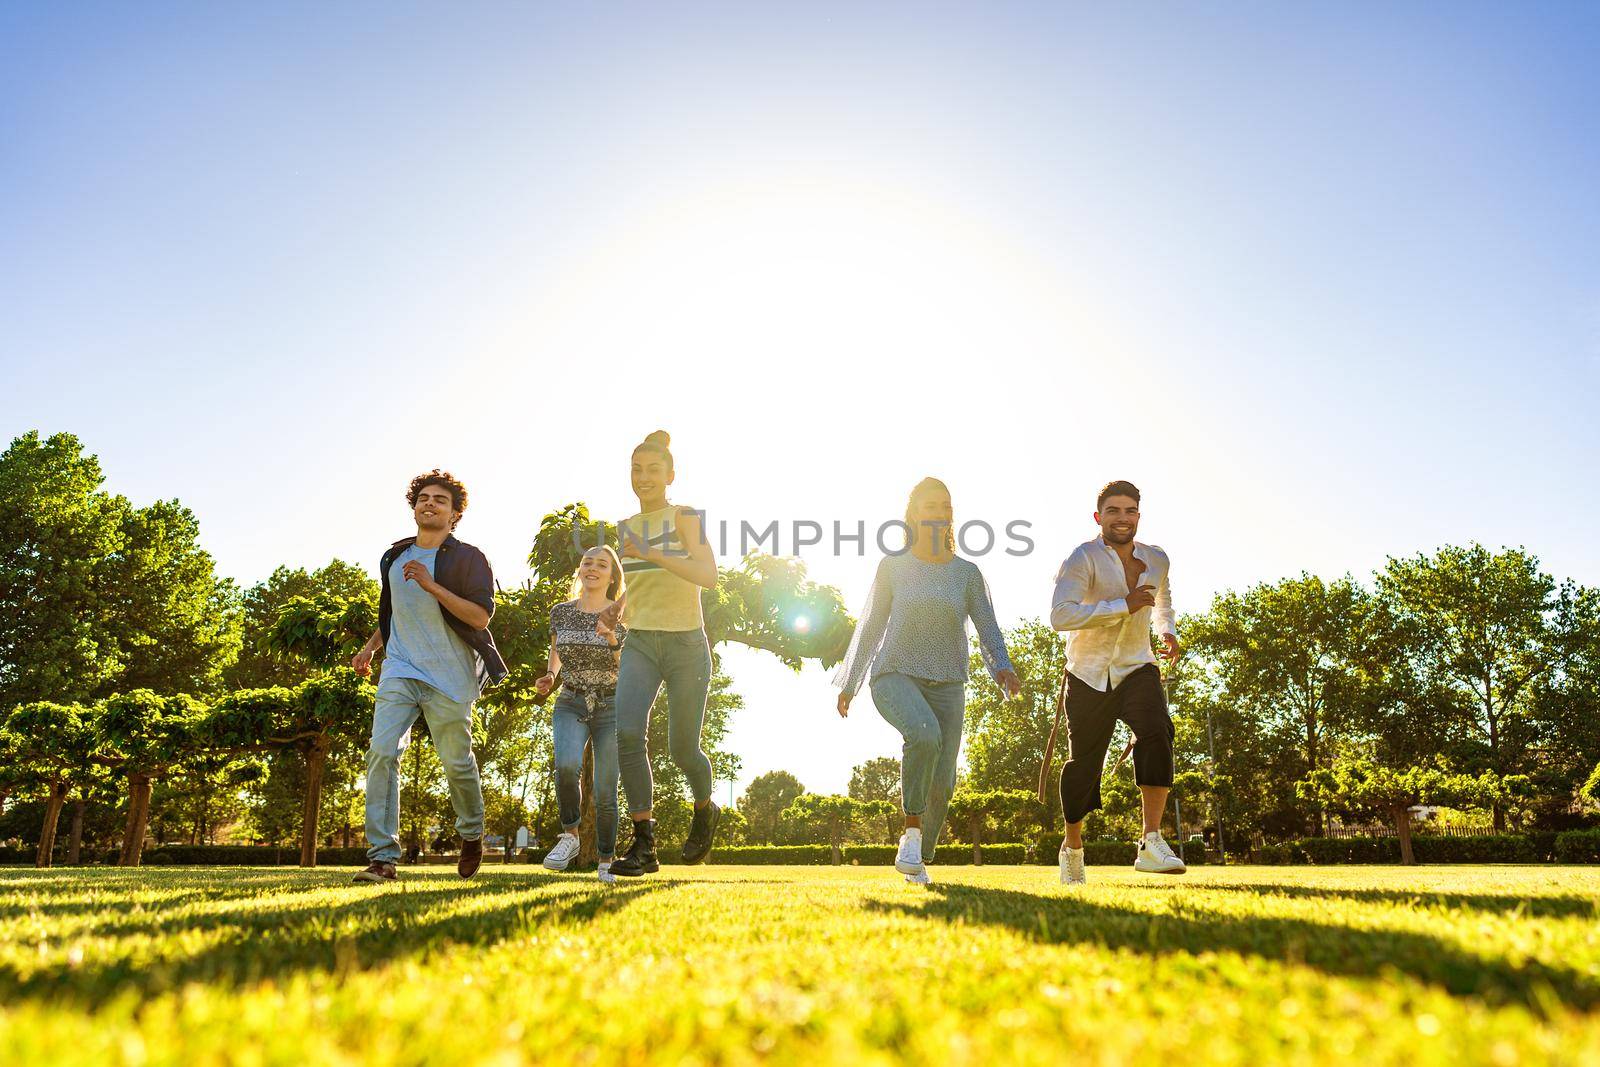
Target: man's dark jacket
<point x="463" y="570"/>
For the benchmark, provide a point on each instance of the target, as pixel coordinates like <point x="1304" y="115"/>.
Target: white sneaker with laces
<point x="561" y="855"/>
<point x="1156" y="856"/>
<point x="1072" y="872"/>
<point x="909" y="859"/>
<point x="605" y="872"/>
<point x="920" y="878"/>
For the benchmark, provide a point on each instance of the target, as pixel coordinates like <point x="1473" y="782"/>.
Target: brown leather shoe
<point x="471" y="858"/>
<point x="380" y="873"/>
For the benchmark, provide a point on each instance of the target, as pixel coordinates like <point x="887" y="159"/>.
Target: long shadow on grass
<point x="374" y="926"/>
<point x="1545" y="907"/>
<point x="1334" y="949"/>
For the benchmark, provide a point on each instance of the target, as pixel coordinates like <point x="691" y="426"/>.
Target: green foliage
<point x="1578" y="846"/>
<point x="974" y="813"/>
<point x="1005" y="738"/>
<point x="144" y="733"/>
<point x="323" y="630"/>
<point x="764" y="801"/>
<point x="768" y="603"/>
<point x="258" y="667"/>
<point x="1360" y="788"/>
<point x="832" y="819"/>
<point x="95" y="594"/>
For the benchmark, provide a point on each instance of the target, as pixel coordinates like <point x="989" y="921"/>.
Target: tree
<point x="97" y="596"/>
<point x="141" y="735"/>
<point x="325" y="712"/>
<point x="1302" y="655"/>
<point x="1477" y="625"/>
<point x="56" y="532"/>
<point x="973" y="812"/>
<point x="172" y="621"/>
<point x="53" y="743"/>
<point x="1006" y="738"/>
<point x="833" y="818"/>
<point x="764" y="801"/>
<point x="1360" y="787"/>
<point x="258" y="665"/>
<point x="879" y="779"/>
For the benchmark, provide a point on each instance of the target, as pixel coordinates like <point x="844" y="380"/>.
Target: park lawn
<point x="802" y="965"/>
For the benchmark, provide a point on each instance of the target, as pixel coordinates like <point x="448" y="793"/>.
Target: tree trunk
<point x="588" y="846"/>
<point x="75" y="840"/>
<point x="977" y="846"/>
<point x="138" y="820"/>
<point x="316" y="762"/>
<point x="838" y="858"/>
<point x="47" y="833"/>
<point x="1402" y="823"/>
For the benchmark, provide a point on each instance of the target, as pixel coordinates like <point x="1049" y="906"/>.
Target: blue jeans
<point x="929" y="716"/>
<point x="400" y="701"/>
<point x="575" y="725"/>
<point x="681" y="659"/>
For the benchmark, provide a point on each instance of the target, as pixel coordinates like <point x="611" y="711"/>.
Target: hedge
<point x="1578" y="846"/>
<point x="949" y="854"/>
<point x="1428" y="848"/>
<point x="210" y="856"/>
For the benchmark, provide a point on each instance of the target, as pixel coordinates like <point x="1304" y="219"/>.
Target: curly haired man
<point x="433" y="625"/>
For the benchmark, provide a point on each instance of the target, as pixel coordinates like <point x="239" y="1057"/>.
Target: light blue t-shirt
<point x="421" y="645"/>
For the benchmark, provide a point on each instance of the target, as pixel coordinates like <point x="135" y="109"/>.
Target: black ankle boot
<point x="641" y="855"/>
<point x="701" y="831"/>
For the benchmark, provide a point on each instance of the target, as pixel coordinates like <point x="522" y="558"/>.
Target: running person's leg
<point x="638" y="682"/>
<point x="686" y="669"/>
<point x="393" y="713"/>
<point x="1089" y="725"/>
<point x="948" y="702"/>
<point x="603" y="738"/>
<point x="450" y="726"/>
<point x="570" y="734"/>
<point x="903" y="706"/>
<point x="1142" y="704"/>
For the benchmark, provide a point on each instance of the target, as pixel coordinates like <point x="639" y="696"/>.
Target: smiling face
<point x="930" y="517"/>
<point x="1118" y="518"/>
<point x="595" y="570"/>
<point x="651" y="474"/>
<point x="434" y="509"/>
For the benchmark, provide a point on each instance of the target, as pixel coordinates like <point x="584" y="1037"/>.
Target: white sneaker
<point x="920" y="878"/>
<point x="909" y="859"/>
<point x="561" y="855"/>
<point x="1156" y="856"/>
<point x="605" y="872"/>
<point x="1072" y="872"/>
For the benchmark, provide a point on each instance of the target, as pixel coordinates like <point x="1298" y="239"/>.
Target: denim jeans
<point x="399" y="702"/>
<point x="929" y="716"/>
<point x="574" y="725"/>
<point x="681" y="659"/>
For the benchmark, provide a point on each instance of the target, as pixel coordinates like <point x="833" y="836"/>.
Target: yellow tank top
<point x="657" y="598"/>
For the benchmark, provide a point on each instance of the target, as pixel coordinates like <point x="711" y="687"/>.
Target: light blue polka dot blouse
<point x="915" y="623"/>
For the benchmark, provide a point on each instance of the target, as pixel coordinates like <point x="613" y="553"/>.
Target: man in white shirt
<point x="1107" y="595"/>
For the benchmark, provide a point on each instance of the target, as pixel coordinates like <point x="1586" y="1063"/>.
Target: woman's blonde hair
<point x="920" y="490"/>
<point x="614" y="587"/>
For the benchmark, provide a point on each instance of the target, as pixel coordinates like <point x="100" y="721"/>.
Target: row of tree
<point x="157" y="699"/>
<point x="189" y="707"/>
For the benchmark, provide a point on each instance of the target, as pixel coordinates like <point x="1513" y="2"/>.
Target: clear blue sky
<point x="1321" y="278"/>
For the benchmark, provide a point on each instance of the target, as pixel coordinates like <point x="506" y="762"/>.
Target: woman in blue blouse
<point x="913" y="637"/>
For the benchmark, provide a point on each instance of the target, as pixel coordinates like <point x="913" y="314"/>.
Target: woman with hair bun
<point x="667" y="561"/>
<point x="913" y="637"/>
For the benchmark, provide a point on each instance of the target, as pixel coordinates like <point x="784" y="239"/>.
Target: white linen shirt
<point x="1105" y="643"/>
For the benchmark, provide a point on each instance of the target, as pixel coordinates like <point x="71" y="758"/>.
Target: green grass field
<point x="791" y="965"/>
